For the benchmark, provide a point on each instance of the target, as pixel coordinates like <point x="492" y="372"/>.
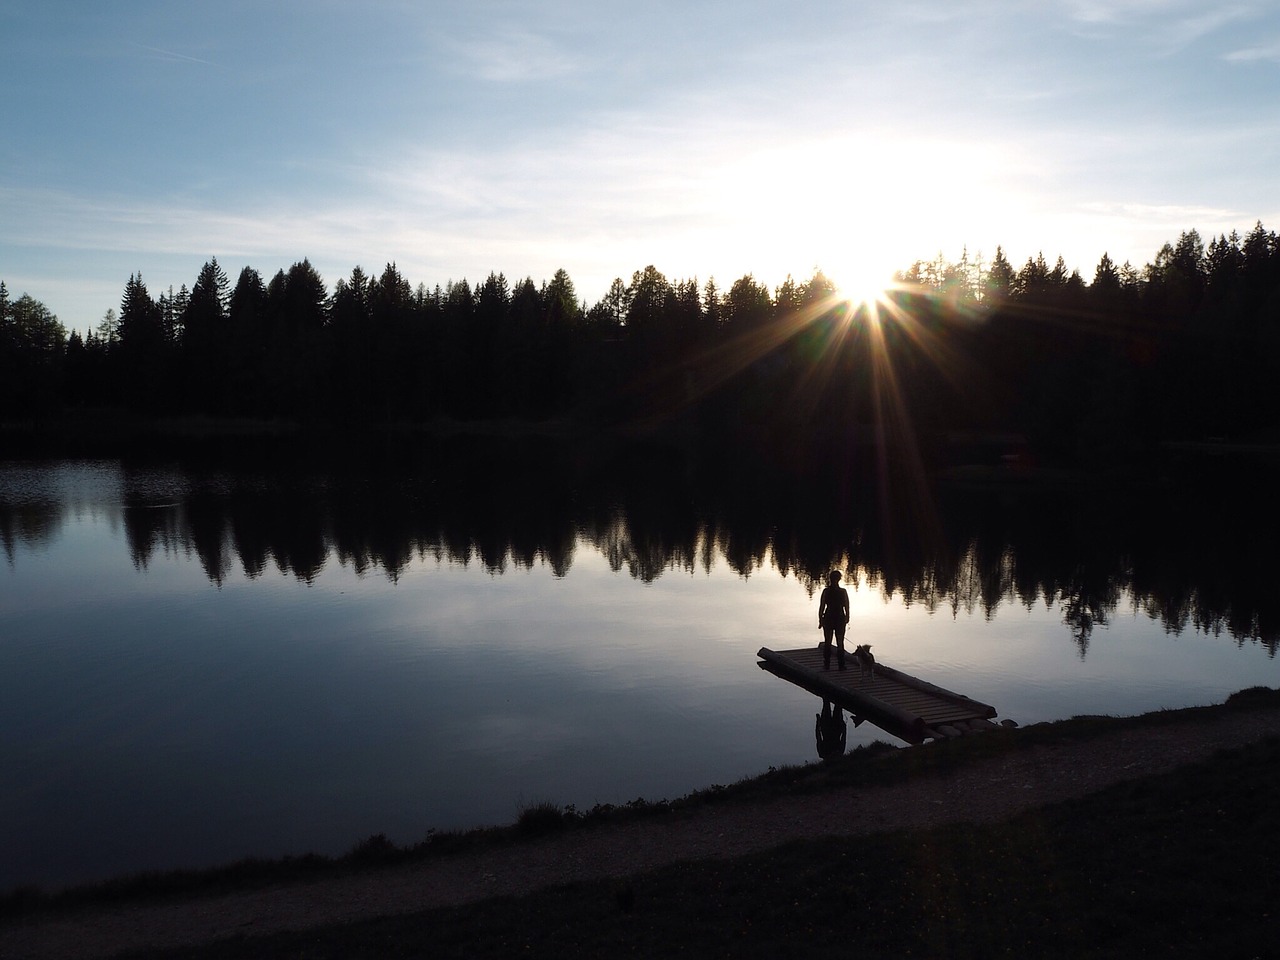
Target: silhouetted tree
<point x="616" y="302"/>
<point x="144" y="354"/>
<point x="305" y="298"/>
<point x="1033" y="285"/>
<point x="173" y="308"/>
<point x="646" y="297"/>
<point x="108" y="329"/>
<point x="32" y="349"/>
<point x="493" y="304"/>
<point x="712" y="312"/>
<point x="786" y="299"/>
<point x="299" y="356"/>
<point x="747" y="305"/>
<point x="1189" y="345"/>
<point x="250" y="338"/>
<point x="560" y="300"/>
<point x="1106" y="284"/>
<point x="818" y="292"/>
<point x="350" y="319"/>
<point x="1001" y="280"/>
<point x="1224" y="263"/>
<point x="206" y="341"/>
<point x="526" y="306"/>
<point x="395" y="353"/>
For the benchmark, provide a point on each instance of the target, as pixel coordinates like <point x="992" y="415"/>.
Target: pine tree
<point x="1001" y="280"/>
<point x="560" y="299"/>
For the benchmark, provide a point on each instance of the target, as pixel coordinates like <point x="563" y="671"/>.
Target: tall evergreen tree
<point x="144" y="353"/>
<point x="747" y="305"/>
<point x="616" y="302"/>
<point x="646" y="297"/>
<point x="248" y="299"/>
<point x="1000" y="280"/>
<point x="206" y="346"/>
<point x="712" y="310"/>
<point x="786" y="298"/>
<point x="560" y="300"/>
<point x="526" y="306"/>
<point x="1104" y="292"/>
<point x="305" y="299"/>
<point x="108" y="329"/>
<point x="247" y="321"/>
<point x="1224" y="263"/>
<point x="459" y="303"/>
<point x="32" y="349"/>
<point x="493" y="301"/>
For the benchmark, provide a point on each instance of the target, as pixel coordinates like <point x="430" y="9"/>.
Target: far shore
<point x="994" y="461"/>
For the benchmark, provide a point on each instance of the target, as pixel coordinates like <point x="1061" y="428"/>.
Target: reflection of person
<point x="829" y="731"/>
<point x="833" y="615"/>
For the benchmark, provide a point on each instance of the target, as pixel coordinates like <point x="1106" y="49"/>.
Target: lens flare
<point x="862" y="288"/>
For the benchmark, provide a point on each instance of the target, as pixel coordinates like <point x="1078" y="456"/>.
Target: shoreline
<point x="947" y="465"/>
<point x="985" y="778"/>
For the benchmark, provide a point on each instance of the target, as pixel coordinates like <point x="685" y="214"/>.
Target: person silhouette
<point x="833" y="615"/>
<point x="829" y="731"/>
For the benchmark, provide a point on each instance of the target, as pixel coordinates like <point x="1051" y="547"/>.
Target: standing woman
<point x="833" y="615"/>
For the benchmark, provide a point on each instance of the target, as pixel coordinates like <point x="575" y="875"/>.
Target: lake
<point x="204" y="660"/>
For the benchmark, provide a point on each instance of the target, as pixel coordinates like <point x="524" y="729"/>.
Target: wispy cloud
<point x="1266" y="51"/>
<point x="1167" y="26"/>
<point x="1118" y="11"/>
<point x="514" y="56"/>
<point x="173" y="56"/>
<point x="1165" y="215"/>
<point x="1181" y="32"/>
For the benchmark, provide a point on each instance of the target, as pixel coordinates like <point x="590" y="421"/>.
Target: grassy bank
<point x="1180" y="865"/>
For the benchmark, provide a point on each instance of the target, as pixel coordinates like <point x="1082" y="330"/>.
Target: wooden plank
<point x="812" y="657"/>
<point x="979" y="709"/>
<point x="885" y="716"/>
<point x="903" y="705"/>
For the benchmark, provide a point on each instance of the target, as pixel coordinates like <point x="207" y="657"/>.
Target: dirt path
<point x="987" y="790"/>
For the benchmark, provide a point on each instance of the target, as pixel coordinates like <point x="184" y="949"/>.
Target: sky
<point x="710" y="139"/>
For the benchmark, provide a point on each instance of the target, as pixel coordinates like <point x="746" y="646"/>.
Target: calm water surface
<point x="192" y="673"/>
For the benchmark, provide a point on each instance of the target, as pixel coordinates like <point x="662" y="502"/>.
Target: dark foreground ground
<point x="1180" y="864"/>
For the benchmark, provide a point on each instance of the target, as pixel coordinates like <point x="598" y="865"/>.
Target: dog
<point x="866" y="662"/>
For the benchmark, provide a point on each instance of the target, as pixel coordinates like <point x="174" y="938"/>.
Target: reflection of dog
<point x="866" y="662"/>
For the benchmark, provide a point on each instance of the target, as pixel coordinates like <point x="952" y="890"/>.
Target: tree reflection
<point x="1186" y="555"/>
<point x="151" y="527"/>
<point x="28" y="523"/>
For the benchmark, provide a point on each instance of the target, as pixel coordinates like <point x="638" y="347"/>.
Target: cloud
<point x="1118" y="11"/>
<point x="1163" y="215"/>
<point x="1267" y="51"/>
<point x="514" y="56"/>
<point x="1167" y="26"/>
<point x="1182" y="32"/>
<point x="173" y="57"/>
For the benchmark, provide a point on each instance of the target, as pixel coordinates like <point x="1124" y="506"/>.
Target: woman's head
<point x="833" y="577"/>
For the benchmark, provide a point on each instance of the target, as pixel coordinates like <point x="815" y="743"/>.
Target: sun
<point x="862" y="286"/>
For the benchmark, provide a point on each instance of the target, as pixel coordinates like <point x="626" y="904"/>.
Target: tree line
<point x="1186" y="346"/>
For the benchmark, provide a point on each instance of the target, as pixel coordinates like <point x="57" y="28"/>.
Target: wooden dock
<point x="905" y="706"/>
